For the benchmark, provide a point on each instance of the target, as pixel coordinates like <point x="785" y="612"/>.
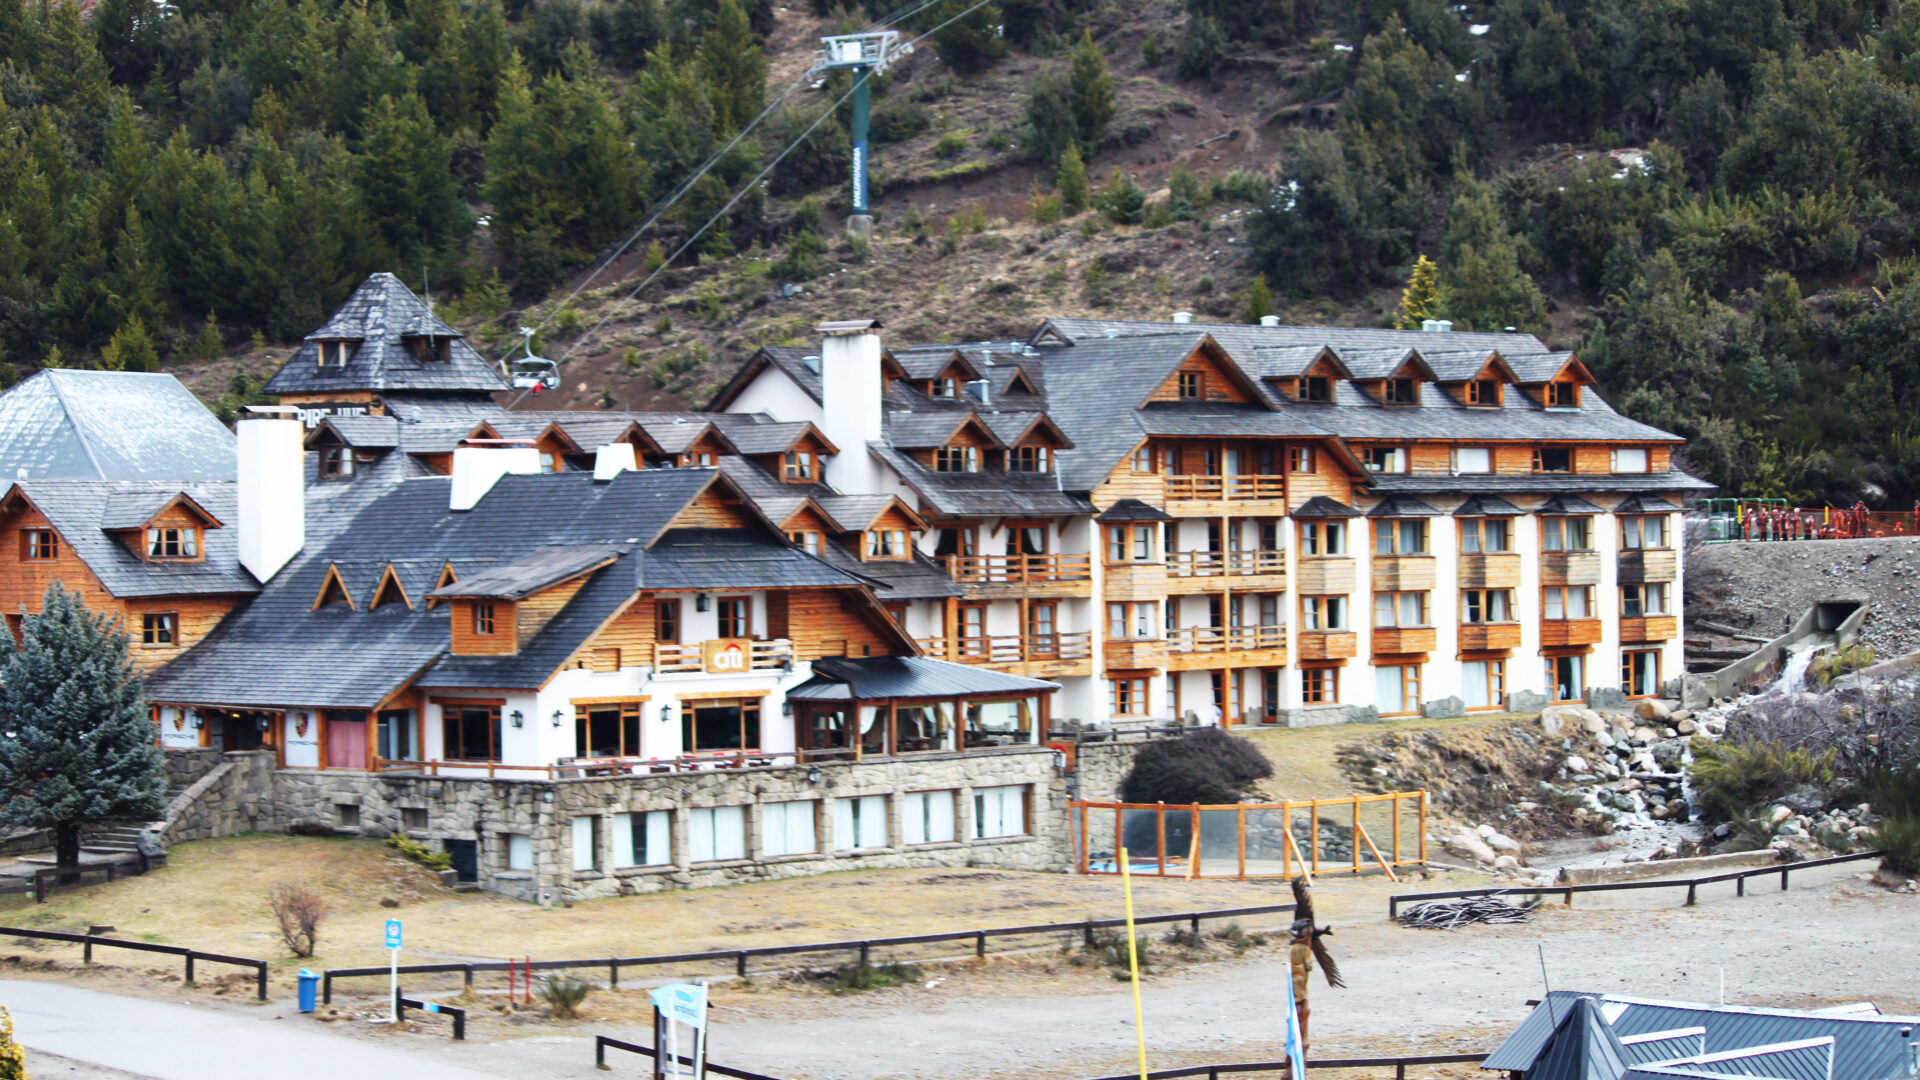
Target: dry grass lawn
<point x="1304" y="761"/>
<point x="212" y="896"/>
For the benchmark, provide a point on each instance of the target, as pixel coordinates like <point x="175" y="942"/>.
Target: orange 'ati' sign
<point x="726" y="656"/>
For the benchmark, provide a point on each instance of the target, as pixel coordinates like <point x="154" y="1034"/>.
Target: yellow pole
<point x="1133" y="961"/>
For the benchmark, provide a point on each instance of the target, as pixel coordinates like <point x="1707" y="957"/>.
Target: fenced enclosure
<point x="1252" y="840"/>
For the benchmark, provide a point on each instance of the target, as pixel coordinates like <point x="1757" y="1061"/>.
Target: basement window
<point x="413" y="818"/>
<point x="346" y="816"/>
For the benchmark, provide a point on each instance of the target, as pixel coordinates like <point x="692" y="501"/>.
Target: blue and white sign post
<point x="678" y="1005"/>
<point x="393" y="970"/>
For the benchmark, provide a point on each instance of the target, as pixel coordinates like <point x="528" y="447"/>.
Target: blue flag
<point x="1296" y="1054"/>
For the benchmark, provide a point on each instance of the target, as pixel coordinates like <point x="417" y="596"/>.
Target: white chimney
<point x="477" y="468"/>
<point x="1269" y="320"/>
<point x="611" y="460"/>
<point x="273" y="497"/>
<point x="851" y="392"/>
<point x="1446" y="326"/>
<point x="1183" y="317"/>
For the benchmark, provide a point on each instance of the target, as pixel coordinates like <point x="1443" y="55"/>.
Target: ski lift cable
<point x="667" y="204"/>
<point x="686" y="184"/>
<point x="748" y="186"/>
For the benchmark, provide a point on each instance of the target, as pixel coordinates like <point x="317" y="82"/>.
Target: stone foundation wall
<point x="1098" y="769"/>
<point x="489" y="812"/>
<point x="237" y="794"/>
<point x="183" y="768"/>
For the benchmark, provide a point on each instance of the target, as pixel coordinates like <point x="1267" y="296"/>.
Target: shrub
<point x="1150" y="52"/>
<point x="1201" y="48"/>
<point x="13" y="1060"/>
<point x="421" y="853"/>
<point x="950" y="144"/>
<point x="864" y="976"/>
<point x="299" y="911"/>
<point x="566" y="321"/>
<point x="1896" y="794"/>
<point x="1204" y="766"/>
<point x="1831" y="664"/>
<point x="1242" y="186"/>
<point x="1730" y="776"/>
<point x="1044" y="208"/>
<point x="1110" y="946"/>
<point x="1123" y="200"/>
<point x="563" y="994"/>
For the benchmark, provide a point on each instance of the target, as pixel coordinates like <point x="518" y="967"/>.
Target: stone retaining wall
<point x="238" y="794"/>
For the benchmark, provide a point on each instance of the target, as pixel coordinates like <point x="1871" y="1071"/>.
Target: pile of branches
<point x="1451" y="914"/>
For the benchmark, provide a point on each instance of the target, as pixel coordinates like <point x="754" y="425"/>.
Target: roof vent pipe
<point x="982" y="389"/>
<point x="1429" y="326"/>
<point x="812" y="363"/>
<point x="1183" y="317"/>
<point x="986" y="357"/>
<point x="1110" y="333"/>
<point x="1445" y="326"/>
<point x="1269" y="320"/>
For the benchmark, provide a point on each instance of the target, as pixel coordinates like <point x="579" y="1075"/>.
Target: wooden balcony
<point x="669" y="658"/>
<point x="1640" y="565"/>
<point x="1569" y="568"/>
<point x="1404" y="573"/>
<point x="1648" y="628"/>
<point x="1203" y="496"/>
<point x="1323" y="575"/>
<point x="1134" y="581"/>
<point x="1195" y="647"/>
<point x="1404" y="640"/>
<point x="1023" y="575"/>
<point x="1135" y="655"/>
<point x="1555" y="632"/>
<point x="1489" y="637"/>
<point x="1490" y="571"/>
<point x="1035" y="656"/>
<point x="1329" y="645"/>
<point x="1210" y="571"/>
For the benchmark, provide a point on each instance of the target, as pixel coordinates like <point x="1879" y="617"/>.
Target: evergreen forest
<point x="1715" y="202"/>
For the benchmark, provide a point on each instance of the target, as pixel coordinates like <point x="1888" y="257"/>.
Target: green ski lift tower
<point x="863" y="54"/>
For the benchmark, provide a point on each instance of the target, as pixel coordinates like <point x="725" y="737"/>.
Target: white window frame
<point x="927" y="817"/>
<point x="790" y="828"/>
<point x="717" y="833"/>
<point x="859" y="821"/>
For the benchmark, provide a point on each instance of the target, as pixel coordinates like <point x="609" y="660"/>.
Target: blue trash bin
<point x="309" y="989"/>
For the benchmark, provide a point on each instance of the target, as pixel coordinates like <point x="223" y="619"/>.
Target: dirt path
<point x="1428" y="991"/>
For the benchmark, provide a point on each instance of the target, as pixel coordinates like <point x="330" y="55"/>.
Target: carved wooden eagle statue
<point x="1304" y="926"/>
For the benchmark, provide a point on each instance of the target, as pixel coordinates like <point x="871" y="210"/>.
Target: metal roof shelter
<point x="883" y="677"/>
<point x="110" y="425"/>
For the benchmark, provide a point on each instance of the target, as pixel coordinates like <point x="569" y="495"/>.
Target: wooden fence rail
<point x="739" y="957"/>
<point x="401" y="1003"/>
<point x="602" y="1043"/>
<point x="1238" y="840"/>
<point x="90" y="941"/>
<point x="1691" y="884"/>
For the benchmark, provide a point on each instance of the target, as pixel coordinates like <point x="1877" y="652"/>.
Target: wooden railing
<point x="1189" y="564"/>
<point x="1226" y="487"/>
<point x="1011" y="648"/>
<point x="669" y="657"/>
<point x="1226" y="639"/>
<point x="1017" y="569"/>
<point x="570" y="768"/>
<point x="88" y="942"/>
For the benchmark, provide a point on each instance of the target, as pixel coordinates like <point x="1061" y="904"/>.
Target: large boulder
<point x="1652" y="709"/>
<point x="1469" y="846"/>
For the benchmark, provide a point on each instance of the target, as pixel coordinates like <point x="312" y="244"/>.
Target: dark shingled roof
<point x="532" y="572"/>
<point x="110" y="425"/>
<point x="1321" y="506"/>
<point x="908" y="677"/>
<point x="1644" y="504"/>
<point x="80" y="509"/>
<point x="1867" y="1045"/>
<point x="983" y="493"/>
<point x="1567" y="504"/>
<point x="277" y="651"/>
<point x="1487" y="506"/>
<point x="711" y="559"/>
<point x="1239" y="337"/>
<point x="1133" y="510"/>
<point x="362" y="432"/>
<point x="377" y="316"/>
<point x="1399" y="506"/>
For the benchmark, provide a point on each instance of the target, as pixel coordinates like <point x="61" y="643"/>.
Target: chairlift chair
<point x="535" y="373"/>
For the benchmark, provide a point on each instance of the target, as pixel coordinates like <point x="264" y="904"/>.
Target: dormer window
<point x="956" y="459"/>
<point x="336" y="463"/>
<point x="1483" y="392"/>
<point x="173" y="542"/>
<point x="1563" y="395"/>
<point x="1401" y="392"/>
<point x="1030" y="459"/>
<point x="948" y="387"/>
<point x="1316" y="388"/>
<point x="430" y="349"/>
<point x="1192" y="385"/>
<point x="800" y="467"/>
<point x="888" y="544"/>
<point x="333" y="353"/>
<point x="483" y="619"/>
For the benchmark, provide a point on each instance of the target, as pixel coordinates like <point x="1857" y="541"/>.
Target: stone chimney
<point x="480" y="463"/>
<point x="272" y="490"/>
<point x="852" y="399"/>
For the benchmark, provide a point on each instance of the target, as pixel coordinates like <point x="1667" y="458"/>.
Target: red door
<point x="346" y="744"/>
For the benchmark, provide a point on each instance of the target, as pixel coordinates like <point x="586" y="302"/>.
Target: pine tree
<point x="733" y="68"/>
<point x="1421" y="299"/>
<point x="130" y="349"/>
<point x="209" y="345"/>
<point x="1092" y="88"/>
<point x="1484" y="287"/>
<point x="13" y="1060"/>
<point x="78" y="745"/>
<point x="1259" y="300"/>
<point x="406" y="179"/>
<point x="1075" y="192"/>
